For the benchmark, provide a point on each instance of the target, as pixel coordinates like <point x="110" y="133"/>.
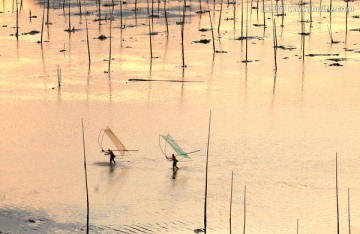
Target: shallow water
<point x="279" y="132"/>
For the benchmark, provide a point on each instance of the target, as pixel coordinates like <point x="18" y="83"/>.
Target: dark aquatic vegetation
<point x="314" y="55"/>
<point x="336" y="65"/>
<point x="110" y="4"/>
<point x="337" y="59"/>
<point x="286" y="47"/>
<point x="204" y="29"/>
<point x="33" y="32"/>
<point x="102" y="37"/>
<point x="148" y="80"/>
<point x="249" y="38"/>
<point x="259" y="25"/>
<point x="203" y="41"/>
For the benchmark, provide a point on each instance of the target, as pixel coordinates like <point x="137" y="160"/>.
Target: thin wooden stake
<point x="242" y="19"/>
<point x="244" y="210"/>
<point x="221" y="6"/>
<point x="349" y="210"/>
<point x="337" y="199"/>
<point x="42" y="27"/>
<point x="86" y="183"/>
<point x="182" y="36"/>
<point x="263" y="2"/>
<point x="231" y="194"/>
<point x="275" y="43"/>
<point x="17" y="21"/>
<point x="206" y="174"/>
<point x="346" y="20"/>
<point x="235" y="15"/>
<point x="297" y="226"/>
<point x="212" y="33"/>
<point x="166" y="20"/>
<point x="48" y="12"/>
<point x="121" y="15"/>
<point x="111" y="16"/>
<point x="246" y="42"/>
<point x="69" y="29"/>
<point x="150" y="37"/>
<point x="330" y="14"/>
<point x="87" y="36"/>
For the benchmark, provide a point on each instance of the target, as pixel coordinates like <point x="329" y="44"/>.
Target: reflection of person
<point x="174" y="162"/>
<point x="112" y="155"/>
<point x="174" y="174"/>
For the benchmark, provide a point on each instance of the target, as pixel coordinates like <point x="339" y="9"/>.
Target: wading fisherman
<point x="112" y="155"/>
<point x="173" y="158"/>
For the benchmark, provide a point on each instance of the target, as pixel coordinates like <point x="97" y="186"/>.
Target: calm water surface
<point x="278" y="131"/>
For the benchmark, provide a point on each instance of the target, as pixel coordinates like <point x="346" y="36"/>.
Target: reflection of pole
<point x="87" y="192"/>
<point x="206" y="175"/>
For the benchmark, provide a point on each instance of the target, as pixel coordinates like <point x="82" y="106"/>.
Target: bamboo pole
<point x="47" y="14"/>
<point x="42" y="27"/>
<point x="206" y="174"/>
<point x="244" y="210"/>
<point x="86" y="183"/>
<point x="111" y="16"/>
<point x="212" y="33"/>
<point x="346" y="19"/>
<point x="80" y="10"/>
<point x="231" y="194"/>
<point x="235" y="15"/>
<point x="99" y="12"/>
<point x="182" y="36"/>
<point x="242" y="19"/>
<point x="121" y="15"/>
<point x="87" y="36"/>
<point x="221" y="6"/>
<point x="264" y="17"/>
<point x="150" y="37"/>
<point x="69" y="29"/>
<point x="275" y="43"/>
<point x="349" y="210"/>
<point x="330" y="13"/>
<point x="246" y="42"/>
<point x="17" y="20"/>
<point x="337" y="199"/>
<point x="166" y="20"/>
<point x="297" y="226"/>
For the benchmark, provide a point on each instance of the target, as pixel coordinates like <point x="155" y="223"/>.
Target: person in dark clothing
<point x="174" y="162"/>
<point x="112" y="155"/>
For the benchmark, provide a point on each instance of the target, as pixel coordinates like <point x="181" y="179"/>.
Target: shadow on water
<point x="104" y="164"/>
